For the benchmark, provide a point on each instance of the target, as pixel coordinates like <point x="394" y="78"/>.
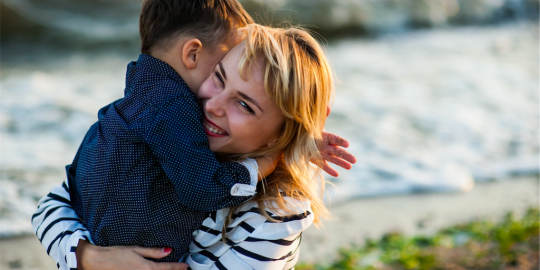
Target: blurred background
<point x="435" y="96"/>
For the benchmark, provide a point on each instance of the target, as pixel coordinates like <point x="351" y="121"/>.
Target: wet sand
<point x="357" y="219"/>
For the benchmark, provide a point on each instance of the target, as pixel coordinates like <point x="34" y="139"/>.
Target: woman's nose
<point x="215" y="105"/>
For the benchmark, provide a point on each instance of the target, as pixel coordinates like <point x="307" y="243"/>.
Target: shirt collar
<point x="147" y="63"/>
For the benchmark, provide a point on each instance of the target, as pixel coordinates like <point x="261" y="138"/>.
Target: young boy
<point x="144" y="174"/>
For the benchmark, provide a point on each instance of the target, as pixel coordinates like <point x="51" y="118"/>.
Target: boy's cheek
<point x="204" y="92"/>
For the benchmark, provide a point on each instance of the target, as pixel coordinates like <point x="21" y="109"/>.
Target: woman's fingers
<point x="155" y="253"/>
<point x="168" y="266"/>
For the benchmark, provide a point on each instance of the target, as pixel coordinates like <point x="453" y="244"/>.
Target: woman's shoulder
<point x="290" y="206"/>
<point x="285" y="223"/>
<point x="279" y="222"/>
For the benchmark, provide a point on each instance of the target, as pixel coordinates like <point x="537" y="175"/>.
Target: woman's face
<point x="239" y="116"/>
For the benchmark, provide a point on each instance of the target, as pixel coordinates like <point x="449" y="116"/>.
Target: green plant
<point x="473" y="245"/>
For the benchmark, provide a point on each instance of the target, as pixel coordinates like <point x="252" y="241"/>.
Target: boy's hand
<point x="267" y="164"/>
<point x="331" y="150"/>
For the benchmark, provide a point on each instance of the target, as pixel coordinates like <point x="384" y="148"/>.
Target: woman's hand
<point x="91" y="257"/>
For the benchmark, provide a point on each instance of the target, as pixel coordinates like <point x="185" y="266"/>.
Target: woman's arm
<point x="67" y="241"/>
<point x="58" y="228"/>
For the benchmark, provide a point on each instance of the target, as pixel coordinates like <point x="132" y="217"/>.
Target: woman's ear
<point x="191" y="53"/>
<point x="272" y="143"/>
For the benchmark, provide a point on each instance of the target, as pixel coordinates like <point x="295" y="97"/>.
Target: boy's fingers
<point x="325" y="167"/>
<point x="337" y="140"/>
<point x="155" y="253"/>
<point x="340" y="162"/>
<point x="329" y="170"/>
<point x="339" y="152"/>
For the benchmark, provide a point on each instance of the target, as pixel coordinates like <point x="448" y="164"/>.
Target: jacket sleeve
<point x="177" y="139"/>
<point x="58" y="227"/>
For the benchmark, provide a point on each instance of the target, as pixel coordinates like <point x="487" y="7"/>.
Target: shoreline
<point x="413" y="214"/>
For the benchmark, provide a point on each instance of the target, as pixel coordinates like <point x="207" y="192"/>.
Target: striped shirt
<point x="252" y="240"/>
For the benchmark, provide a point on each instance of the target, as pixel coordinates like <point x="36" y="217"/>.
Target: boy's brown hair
<point x="163" y="21"/>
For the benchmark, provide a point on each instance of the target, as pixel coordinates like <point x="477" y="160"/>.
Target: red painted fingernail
<point x="167" y="250"/>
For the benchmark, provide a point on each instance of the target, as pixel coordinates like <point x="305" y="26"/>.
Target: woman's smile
<point x="239" y="116"/>
<point x="212" y="129"/>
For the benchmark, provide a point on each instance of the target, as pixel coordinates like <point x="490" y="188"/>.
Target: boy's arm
<point x="58" y="227"/>
<point x="177" y="139"/>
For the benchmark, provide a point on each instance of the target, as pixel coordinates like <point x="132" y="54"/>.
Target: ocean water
<point x="436" y="111"/>
<point x="425" y="111"/>
<point x="116" y="20"/>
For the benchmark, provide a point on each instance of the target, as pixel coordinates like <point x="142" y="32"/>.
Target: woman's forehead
<point x="250" y="83"/>
<point x="253" y="75"/>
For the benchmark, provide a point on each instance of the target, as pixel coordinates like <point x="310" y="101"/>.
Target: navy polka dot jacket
<point x="144" y="174"/>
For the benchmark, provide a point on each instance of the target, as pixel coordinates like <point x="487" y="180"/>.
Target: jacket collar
<point x="147" y="64"/>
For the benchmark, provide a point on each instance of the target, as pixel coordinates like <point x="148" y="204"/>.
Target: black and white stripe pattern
<point x="252" y="242"/>
<point x="58" y="228"/>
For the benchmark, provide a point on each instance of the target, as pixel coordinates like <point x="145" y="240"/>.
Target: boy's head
<point x="190" y="35"/>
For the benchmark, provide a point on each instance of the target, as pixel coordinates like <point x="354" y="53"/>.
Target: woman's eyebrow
<point x="250" y="100"/>
<point x="222" y="70"/>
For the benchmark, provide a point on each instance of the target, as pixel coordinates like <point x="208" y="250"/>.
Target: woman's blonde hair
<point x="297" y="77"/>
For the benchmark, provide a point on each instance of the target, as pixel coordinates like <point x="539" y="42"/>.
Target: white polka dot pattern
<point x="144" y="174"/>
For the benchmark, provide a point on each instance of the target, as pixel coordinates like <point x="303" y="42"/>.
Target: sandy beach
<point x="357" y="219"/>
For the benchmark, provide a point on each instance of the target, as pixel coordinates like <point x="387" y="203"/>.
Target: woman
<point x="268" y="95"/>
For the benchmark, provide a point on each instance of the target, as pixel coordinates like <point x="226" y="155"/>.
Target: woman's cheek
<point x="243" y="130"/>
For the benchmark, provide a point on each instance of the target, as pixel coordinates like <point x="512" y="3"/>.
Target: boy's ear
<point x="191" y="53"/>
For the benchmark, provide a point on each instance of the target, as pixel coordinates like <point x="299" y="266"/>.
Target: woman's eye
<point x="218" y="76"/>
<point x="247" y="107"/>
